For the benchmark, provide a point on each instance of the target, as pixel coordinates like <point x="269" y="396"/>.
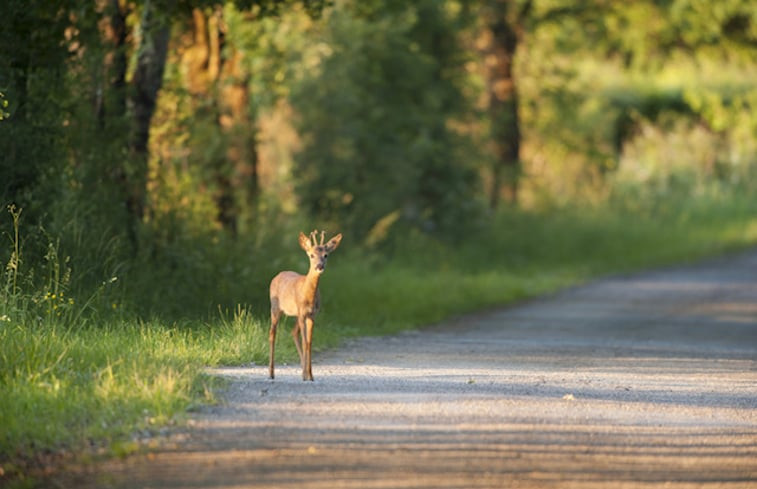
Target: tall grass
<point x="66" y="387"/>
<point x="522" y="254"/>
<point x="85" y="373"/>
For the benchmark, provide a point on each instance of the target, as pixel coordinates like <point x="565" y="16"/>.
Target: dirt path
<point x="641" y="381"/>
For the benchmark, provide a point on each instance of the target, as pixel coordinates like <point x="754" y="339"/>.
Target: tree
<point x="228" y="64"/>
<point x="376" y="121"/>
<point x="33" y="59"/>
<point x="504" y="26"/>
<point x="147" y="80"/>
<point x="228" y="88"/>
<point x="647" y="35"/>
<point x="642" y="34"/>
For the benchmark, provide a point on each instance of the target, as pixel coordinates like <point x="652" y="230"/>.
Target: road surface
<point x="647" y="380"/>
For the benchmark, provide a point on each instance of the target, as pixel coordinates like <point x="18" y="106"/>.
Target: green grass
<point x="68" y="389"/>
<point x="67" y="383"/>
<point x="523" y="254"/>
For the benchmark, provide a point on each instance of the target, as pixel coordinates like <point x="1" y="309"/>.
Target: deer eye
<point x="325" y="255"/>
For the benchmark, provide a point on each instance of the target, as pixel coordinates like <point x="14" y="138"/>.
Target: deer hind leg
<point x="307" y="369"/>
<point x="296" y="337"/>
<point x="275" y="316"/>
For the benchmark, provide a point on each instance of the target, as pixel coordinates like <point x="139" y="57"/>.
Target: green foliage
<point x="270" y="8"/>
<point x="78" y="370"/>
<point x="32" y="77"/>
<point x="3" y="107"/>
<point x="522" y="254"/>
<point x="63" y="387"/>
<point x="108" y="381"/>
<point x="639" y="148"/>
<point x="376" y="123"/>
<point x="647" y="33"/>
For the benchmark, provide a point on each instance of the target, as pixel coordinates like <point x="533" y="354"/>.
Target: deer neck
<point x="310" y="283"/>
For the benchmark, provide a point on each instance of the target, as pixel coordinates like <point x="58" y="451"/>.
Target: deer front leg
<point x="307" y="370"/>
<point x="296" y="337"/>
<point x="303" y="343"/>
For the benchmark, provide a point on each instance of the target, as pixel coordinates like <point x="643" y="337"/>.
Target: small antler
<point x="314" y="237"/>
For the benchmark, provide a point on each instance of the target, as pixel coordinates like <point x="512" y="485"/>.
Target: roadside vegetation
<point x="158" y="160"/>
<point x="88" y="375"/>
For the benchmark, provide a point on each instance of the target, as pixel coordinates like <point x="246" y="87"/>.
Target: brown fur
<point x="297" y="295"/>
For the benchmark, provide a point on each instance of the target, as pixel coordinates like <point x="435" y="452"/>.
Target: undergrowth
<point x="91" y="370"/>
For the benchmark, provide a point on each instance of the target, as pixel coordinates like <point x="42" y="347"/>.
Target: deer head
<point x="318" y="252"/>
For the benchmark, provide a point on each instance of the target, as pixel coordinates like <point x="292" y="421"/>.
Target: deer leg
<point x="275" y="316"/>
<point x="303" y="343"/>
<point x="307" y="370"/>
<point x="296" y="337"/>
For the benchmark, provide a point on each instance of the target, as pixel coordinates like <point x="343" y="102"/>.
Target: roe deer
<point x="297" y="295"/>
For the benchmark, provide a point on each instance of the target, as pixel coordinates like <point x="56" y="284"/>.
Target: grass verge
<point x="71" y="386"/>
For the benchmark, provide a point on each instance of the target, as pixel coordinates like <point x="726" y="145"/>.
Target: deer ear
<point x="304" y="242"/>
<point x="334" y="243"/>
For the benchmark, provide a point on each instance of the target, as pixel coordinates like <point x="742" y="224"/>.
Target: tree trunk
<point x="110" y="96"/>
<point x="237" y="122"/>
<point x="499" y="43"/>
<point x="119" y="63"/>
<point x="215" y="71"/>
<point x="148" y="77"/>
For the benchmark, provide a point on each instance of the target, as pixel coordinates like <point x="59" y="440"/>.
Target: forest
<point x="158" y="159"/>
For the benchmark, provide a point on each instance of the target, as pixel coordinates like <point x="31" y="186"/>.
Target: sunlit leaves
<point x="375" y="121"/>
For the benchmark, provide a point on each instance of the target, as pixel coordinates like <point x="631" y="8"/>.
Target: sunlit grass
<point x="70" y="387"/>
<point x="526" y="254"/>
<point x="68" y="384"/>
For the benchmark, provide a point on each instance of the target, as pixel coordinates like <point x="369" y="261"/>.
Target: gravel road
<point x="647" y="380"/>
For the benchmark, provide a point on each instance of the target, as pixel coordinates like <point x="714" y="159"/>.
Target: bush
<point x="379" y="151"/>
